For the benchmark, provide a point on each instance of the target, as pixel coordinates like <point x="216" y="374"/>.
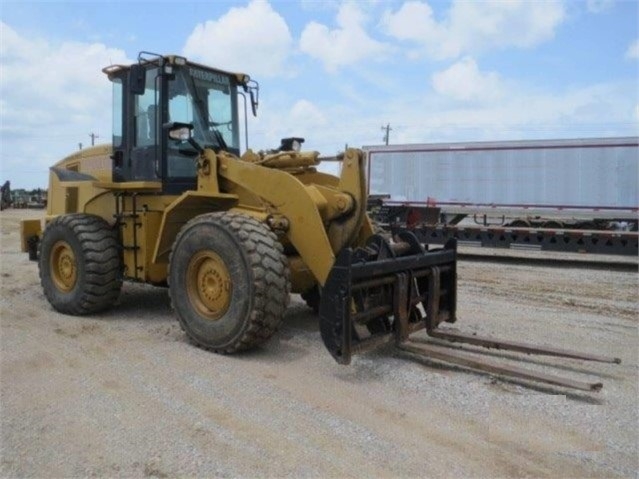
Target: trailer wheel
<point x="520" y="224"/>
<point x="80" y="265"/>
<point x="228" y="281"/>
<point x="553" y="225"/>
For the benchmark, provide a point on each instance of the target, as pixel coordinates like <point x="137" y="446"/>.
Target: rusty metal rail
<point x="466" y="359"/>
<point x="492" y="343"/>
<point x="442" y="353"/>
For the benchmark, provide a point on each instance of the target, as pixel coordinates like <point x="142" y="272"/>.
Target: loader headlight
<point x="181" y="61"/>
<point x="291" y="144"/>
<point x="242" y="79"/>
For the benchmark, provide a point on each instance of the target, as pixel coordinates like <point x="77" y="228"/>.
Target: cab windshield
<point x="208" y="100"/>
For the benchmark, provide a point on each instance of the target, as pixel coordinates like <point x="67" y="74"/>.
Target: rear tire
<point x="228" y="281"/>
<point x="80" y="265"/>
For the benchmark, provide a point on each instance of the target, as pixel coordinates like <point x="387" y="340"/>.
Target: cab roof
<point x="174" y="60"/>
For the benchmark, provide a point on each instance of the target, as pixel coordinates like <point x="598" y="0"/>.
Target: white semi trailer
<point x="562" y="195"/>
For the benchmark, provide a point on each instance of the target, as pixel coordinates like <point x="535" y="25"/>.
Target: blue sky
<point x="333" y="72"/>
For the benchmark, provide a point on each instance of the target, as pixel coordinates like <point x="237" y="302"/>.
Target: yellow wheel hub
<point x="209" y="285"/>
<point x="63" y="266"/>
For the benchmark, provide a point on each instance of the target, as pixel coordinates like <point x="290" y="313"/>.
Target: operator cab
<point x="159" y="91"/>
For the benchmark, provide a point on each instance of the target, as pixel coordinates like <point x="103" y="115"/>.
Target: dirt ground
<point x="124" y="394"/>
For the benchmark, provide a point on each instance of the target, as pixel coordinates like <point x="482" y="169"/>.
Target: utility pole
<point x="93" y="136"/>
<point x="387" y="129"/>
<point x="80" y="145"/>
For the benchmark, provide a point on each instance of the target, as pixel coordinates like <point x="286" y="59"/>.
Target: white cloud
<point x="415" y="21"/>
<point x="345" y="45"/>
<point x="53" y="95"/>
<point x="307" y="114"/>
<point x="254" y="39"/>
<point x="632" y="53"/>
<point x="521" y="112"/>
<point x="65" y="76"/>
<point x="518" y="111"/>
<point x="464" y="81"/>
<point x="471" y="27"/>
<point x="277" y="120"/>
<point x="599" y="6"/>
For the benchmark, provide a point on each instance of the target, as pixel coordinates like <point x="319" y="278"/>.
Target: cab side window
<point x="145" y="159"/>
<point x="146" y="107"/>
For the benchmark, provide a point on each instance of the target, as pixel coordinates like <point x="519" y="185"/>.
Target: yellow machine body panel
<point x="306" y="208"/>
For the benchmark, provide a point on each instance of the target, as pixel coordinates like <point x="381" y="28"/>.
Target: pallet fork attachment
<point x="385" y="292"/>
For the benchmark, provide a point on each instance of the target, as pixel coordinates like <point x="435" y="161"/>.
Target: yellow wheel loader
<point x="173" y="203"/>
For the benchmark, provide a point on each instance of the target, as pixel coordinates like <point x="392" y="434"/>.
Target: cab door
<point x="144" y="154"/>
<point x="180" y="165"/>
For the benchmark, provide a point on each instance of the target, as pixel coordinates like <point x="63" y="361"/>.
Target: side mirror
<point x="253" y="103"/>
<point x="137" y="79"/>
<point x="179" y="131"/>
<point x="254" y="91"/>
<point x="182" y="132"/>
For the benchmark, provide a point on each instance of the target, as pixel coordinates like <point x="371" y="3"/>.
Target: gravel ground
<point x="124" y="394"/>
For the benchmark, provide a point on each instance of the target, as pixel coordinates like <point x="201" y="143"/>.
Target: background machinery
<point x="173" y="203"/>
<point x="5" y="195"/>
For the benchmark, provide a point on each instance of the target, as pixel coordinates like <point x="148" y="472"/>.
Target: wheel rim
<point x="209" y="285"/>
<point x="64" y="269"/>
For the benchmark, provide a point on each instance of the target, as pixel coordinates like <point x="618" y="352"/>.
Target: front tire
<point x="80" y="265"/>
<point x="228" y="281"/>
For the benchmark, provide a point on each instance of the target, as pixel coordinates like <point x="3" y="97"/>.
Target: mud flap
<point x="384" y="292"/>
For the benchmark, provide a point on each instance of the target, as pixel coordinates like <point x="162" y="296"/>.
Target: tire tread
<point x="100" y="249"/>
<point x="270" y="277"/>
